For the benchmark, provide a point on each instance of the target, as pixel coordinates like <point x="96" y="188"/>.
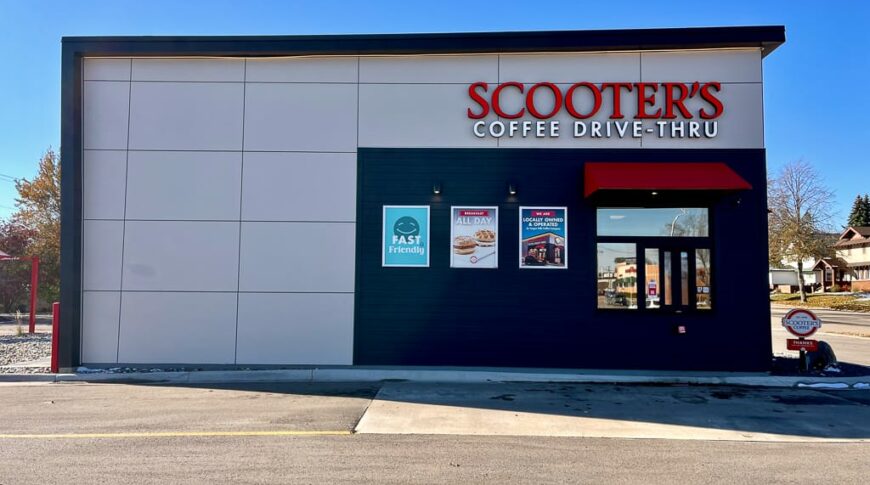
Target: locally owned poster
<point x="544" y="237"/>
<point x="406" y="235"/>
<point x="474" y="237"/>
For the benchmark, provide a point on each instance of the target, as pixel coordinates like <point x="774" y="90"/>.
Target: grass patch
<point x="832" y="302"/>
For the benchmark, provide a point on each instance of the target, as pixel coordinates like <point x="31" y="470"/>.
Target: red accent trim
<point x="55" y="335"/>
<point x="660" y="176"/>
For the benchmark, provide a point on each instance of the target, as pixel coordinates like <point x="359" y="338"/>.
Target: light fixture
<point x="512" y="189"/>
<point x="654" y="192"/>
<point x="436" y="188"/>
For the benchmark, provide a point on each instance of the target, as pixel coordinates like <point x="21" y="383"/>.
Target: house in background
<point x="785" y="279"/>
<point x="850" y="266"/>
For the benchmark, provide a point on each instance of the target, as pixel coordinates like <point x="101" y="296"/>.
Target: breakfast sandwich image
<point x="464" y="245"/>
<point x="473" y="236"/>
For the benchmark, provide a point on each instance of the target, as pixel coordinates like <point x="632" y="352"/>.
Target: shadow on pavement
<point x="795" y="412"/>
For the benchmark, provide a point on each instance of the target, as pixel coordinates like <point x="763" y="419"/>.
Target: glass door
<point x="677" y="278"/>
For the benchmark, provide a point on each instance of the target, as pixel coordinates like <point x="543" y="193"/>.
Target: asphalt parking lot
<point x="401" y="432"/>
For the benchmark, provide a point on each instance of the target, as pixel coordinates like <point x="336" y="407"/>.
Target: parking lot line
<point x="176" y="434"/>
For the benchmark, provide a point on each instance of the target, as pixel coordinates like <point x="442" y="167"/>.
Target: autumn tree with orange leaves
<point x="38" y="216"/>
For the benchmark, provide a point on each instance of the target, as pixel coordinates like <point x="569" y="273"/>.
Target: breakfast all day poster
<point x="474" y="237"/>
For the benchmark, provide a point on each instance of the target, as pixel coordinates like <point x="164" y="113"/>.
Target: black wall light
<point x="436" y="188"/>
<point x="512" y="189"/>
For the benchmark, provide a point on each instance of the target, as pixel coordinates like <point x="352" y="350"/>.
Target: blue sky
<point x="816" y="99"/>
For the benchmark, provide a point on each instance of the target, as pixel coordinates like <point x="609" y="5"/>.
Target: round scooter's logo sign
<point x="801" y="323"/>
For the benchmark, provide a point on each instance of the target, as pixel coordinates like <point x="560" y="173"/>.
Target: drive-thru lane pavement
<point x="296" y="432"/>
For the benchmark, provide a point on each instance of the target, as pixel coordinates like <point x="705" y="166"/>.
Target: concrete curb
<point x="445" y="376"/>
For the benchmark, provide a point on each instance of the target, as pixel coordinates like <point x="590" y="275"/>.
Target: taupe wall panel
<point x="181" y="256"/>
<point x="169" y="328"/>
<point x="191" y="185"/>
<point x="282" y="186"/>
<point x="186" y="116"/>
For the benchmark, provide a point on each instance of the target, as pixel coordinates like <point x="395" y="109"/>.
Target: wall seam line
<point x="124" y="223"/>
<point x="241" y="190"/>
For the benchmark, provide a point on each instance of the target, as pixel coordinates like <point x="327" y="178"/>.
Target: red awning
<point x="660" y="176"/>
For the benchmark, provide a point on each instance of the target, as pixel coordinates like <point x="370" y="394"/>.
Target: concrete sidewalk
<point x="613" y="411"/>
<point x="446" y="375"/>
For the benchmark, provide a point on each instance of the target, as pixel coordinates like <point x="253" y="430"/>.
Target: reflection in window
<point x="651" y="258"/>
<point x="658" y="222"/>
<point x="669" y="300"/>
<point x="617" y="275"/>
<point x="684" y="278"/>
<point x="702" y="279"/>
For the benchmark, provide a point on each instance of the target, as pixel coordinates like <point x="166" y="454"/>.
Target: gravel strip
<point x="15" y="349"/>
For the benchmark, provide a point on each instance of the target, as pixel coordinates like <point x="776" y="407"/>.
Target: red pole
<point x="55" y="322"/>
<point x="34" y="290"/>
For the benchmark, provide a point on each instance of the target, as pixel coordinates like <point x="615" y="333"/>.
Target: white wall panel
<point x="295" y="328"/>
<point x="429" y="69"/>
<point x="740" y="126"/>
<point x="100" y="316"/>
<point x="723" y="65"/>
<point x="417" y="115"/>
<point x="570" y="68"/>
<point x="297" y="256"/>
<point x="303" y="70"/>
<point x="186" y="116"/>
<point x="104" y="69"/>
<point x="104" y="174"/>
<point x="300" y="117"/>
<point x="189" y="70"/>
<point x="167" y="328"/>
<point x="299" y="187"/>
<point x="102" y="244"/>
<point x="184" y="185"/>
<point x="182" y="255"/>
<point x="105" y="105"/>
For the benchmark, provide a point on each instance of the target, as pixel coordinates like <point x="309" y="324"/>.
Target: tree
<point x="860" y="213"/>
<point x="14" y="275"/>
<point x="866" y="210"/>
<point x="800" y="216"/>
<point x="38" y="207"/>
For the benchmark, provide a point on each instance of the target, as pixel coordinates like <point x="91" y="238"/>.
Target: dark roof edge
<point x="767" y="38"/>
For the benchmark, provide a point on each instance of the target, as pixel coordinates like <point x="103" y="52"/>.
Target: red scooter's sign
<point x="801" y="322"/>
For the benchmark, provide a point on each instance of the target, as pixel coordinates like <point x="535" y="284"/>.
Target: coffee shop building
<point x="574" y="199"/>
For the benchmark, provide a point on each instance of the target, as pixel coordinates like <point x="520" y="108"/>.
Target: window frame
<point x="676" y="243"/>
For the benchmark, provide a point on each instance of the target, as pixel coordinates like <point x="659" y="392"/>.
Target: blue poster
<point x="544" y="237"/>
<point x="406" y="235"/>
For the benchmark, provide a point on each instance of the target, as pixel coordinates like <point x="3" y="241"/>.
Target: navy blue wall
<point x="523" y="318"/>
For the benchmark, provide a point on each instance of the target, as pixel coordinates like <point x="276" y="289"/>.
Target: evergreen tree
<point x="857" y="212"/>
<point x="866" y="212"/>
